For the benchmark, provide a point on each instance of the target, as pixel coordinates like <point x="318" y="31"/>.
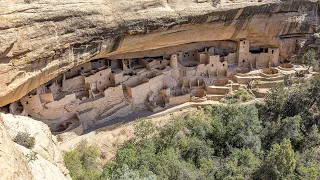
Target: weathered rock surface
<point x="13" y="163"/>
<point x="40" y="40"/>
<point x="49" y="162"/>
<point x="41" y="168"/>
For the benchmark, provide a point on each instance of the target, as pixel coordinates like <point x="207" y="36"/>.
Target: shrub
<point x="32" y="156"/>
<point x="241" y="95"/>
<point x="29" y="1"/>
<point x="82" y="162"/>
<point x="24" y="139"/>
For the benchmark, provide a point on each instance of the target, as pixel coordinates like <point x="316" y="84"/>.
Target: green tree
<point x="275" y="101"/>
<point x="309" y="58"/>
<point x="241" y="164"/>
<point x="128" y="155"/>
<point x="312" y="138"/>
<point x="125" y="173"/>
<point x="143" y="128"/>
<point x="82" y="162"/>
<point x="289" y="128"/>
<point x="193" y="149"/>
<point x="307" y="165"/>
<point x="235" y="126"/>
<point x="281" y="161"/>
<point x="73" y="162"/>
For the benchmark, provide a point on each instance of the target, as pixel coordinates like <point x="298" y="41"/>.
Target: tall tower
<point x="243" y="52"/>
<point x="174" y="61"/>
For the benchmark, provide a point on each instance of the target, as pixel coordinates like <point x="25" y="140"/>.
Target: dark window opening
<point x="160" y="62"/>
<point x="69" y="70"/>
<point x="99" y="61"/>
<point x="272" y="51"/>
<point x="100" y="82"/>
<point x="82" y="68"/>
<point x="223" y="64"/>
<point x="256" y="50"/>
<point x="244" y="42"/>
<point x="109" y="79"/>
<point x="29" y="96"/>
<point x="100" y="74"/>
<point x="266" y="50"/>
<point x="27" y="102"/>
<point x="211" y="65"/>
<point x="243" y="61"/>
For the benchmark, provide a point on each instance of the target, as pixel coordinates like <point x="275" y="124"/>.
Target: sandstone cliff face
<point x="14" y="158"/>
<point x="41" y="40"/>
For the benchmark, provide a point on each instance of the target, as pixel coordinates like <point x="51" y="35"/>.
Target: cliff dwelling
<point x="104" y="89"/>
<point x="159" y="89"/>
<point x="93" y="70"/>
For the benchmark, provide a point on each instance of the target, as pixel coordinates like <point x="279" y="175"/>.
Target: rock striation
<point x="40" y="40"/>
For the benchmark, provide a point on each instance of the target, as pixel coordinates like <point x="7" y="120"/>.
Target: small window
<point x="243" y="61"/>
<point x="192" y="54"/>
<point x="27" y="102"/>
<point x="30" y="97"/>
<point x="272" y="51"/>
<point x="82" y="68"/>
<point x="160" y="62"/>
<point x="223" y="64"/>
<point x="211" y="65"/>
<point x="99" y="61"/>
<point x="100" y="74"/>
<point x="244" y="42"/>
<point x="109" y="79"/>
<point x="69" y="70"/>
<point x="100" y="82"/>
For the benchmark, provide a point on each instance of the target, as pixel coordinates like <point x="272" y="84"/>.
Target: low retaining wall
<point x="174" y="100"/>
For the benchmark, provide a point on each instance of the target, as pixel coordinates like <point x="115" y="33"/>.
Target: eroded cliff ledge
<point x="41" y="40"/>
